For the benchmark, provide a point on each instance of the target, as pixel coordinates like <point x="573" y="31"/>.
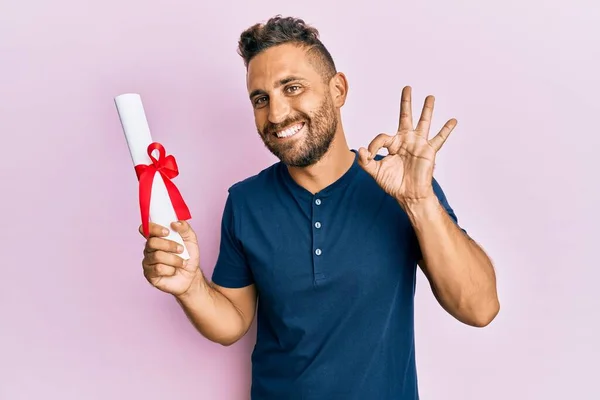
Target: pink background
<point x="79" y="321"/>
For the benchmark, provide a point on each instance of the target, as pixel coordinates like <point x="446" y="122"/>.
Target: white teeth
<point x="290" y="131"/>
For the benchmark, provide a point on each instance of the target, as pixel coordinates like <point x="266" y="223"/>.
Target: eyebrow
<point x="279" y="83"/>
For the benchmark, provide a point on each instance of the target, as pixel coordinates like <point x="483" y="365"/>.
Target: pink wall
<point x="78" y="320"/>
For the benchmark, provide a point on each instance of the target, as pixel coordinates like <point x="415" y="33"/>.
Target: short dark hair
<point x="279" y="30"/>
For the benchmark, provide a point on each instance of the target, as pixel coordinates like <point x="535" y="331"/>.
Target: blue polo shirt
<point x="335" y="272"/>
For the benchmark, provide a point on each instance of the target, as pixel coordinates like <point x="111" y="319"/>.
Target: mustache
<point x="270" y="128"/>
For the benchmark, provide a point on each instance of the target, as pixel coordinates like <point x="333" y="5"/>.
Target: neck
<point x="335" y="163"/>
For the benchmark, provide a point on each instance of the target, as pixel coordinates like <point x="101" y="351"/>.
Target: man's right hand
<point x="163" y="268"/>
<point x="223" y="315"/>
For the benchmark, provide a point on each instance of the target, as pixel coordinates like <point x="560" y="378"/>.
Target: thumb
<point x="190" y="241"/>
<point x="185" y="231"/>
<point x="367" y="161"/>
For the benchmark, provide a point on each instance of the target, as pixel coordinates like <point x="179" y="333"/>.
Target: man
<point x="325" y="243"/>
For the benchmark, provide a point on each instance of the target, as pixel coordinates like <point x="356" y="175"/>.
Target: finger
<point x="405" y="123"/>
<point x="438" y="141"/>
<point x="154" y="230"/>
<point x="156" y="243"/>
<point x="163" y="257"/>
<point x="366" y="156"/>
<point x="158" y="270"/>
<point x="380" y="141"/>
<point x="185" y="231"/>
<point x="425" y="120"/>
<point x="365" y="161"/>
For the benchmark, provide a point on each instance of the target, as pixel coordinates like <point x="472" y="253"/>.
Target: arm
<point x="220" y="314"/>
<point x="223" y="313"/>
<point x="461" y="275"/>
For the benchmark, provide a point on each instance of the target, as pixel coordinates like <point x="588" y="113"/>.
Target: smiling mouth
<point x="290" y="131"/>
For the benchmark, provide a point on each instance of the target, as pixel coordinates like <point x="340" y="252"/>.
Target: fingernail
<point x="179" y="249"/>
<point x="165" y="232"/>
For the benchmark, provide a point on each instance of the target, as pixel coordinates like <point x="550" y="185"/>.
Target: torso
<point x="335" y="273"/>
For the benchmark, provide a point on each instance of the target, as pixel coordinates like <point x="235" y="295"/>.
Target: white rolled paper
<point x="137" y="133"/>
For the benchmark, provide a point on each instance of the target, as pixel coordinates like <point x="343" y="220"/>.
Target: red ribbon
<point x="167" y="167"/>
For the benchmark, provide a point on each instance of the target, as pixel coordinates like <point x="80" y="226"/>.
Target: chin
<point x="300" y="151"/>
<point x="302" y="159"/>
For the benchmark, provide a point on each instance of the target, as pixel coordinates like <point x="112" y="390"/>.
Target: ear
<point x="338" y="87"/>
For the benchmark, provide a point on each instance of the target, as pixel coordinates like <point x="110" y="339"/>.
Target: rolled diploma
<point x="137" y="133"/>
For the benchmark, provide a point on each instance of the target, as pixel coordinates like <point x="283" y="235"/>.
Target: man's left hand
<point x="406" y="173"/>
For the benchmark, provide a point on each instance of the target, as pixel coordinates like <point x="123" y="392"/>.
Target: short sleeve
<point x="231" y="269"/>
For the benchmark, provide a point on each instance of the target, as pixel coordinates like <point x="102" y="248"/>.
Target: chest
<point x="355" y="243"/>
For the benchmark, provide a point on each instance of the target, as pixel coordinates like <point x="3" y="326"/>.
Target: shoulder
<point x="251" y="197"/>
<point x="257" y="185"/>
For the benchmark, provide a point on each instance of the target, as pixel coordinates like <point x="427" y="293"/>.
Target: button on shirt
<point x="335" y="273"/>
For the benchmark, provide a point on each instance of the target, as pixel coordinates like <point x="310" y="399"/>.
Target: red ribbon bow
<point x="167" y="167"/>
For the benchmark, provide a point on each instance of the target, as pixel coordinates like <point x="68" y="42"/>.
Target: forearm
<point x="461" y="275"/>
<point x="211" y="313"/>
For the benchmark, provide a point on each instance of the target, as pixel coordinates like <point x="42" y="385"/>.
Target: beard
<point x="319" y="131"/>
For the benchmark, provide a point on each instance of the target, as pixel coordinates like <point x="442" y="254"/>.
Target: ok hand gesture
<point x="406" y="173"/>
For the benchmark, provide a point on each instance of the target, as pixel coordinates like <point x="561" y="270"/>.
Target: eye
<point x="259" y="100"/>
<point x="292" y="88"/>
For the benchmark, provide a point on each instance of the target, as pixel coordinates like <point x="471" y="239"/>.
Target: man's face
<point x="293" y="108"/>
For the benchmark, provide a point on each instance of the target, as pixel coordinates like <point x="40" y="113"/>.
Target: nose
<point x="278" y="109"/>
